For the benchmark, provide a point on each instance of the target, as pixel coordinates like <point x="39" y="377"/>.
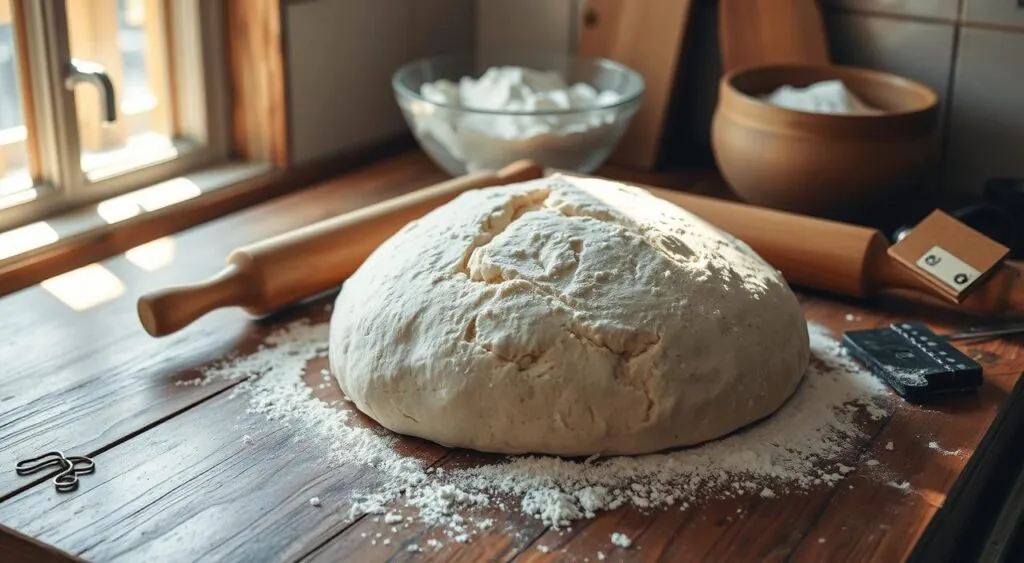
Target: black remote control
<point x="917" y="363"/>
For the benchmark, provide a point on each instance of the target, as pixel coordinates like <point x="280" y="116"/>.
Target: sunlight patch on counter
<point x="85" y="287"/>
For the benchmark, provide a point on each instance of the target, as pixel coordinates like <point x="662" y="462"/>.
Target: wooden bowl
<point x="832" y="165"/>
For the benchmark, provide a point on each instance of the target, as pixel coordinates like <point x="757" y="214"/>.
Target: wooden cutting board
<point x="649" y="37"/>
<point x="766" y="32"/>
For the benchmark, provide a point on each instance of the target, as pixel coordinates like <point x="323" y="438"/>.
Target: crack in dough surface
<point x="566" y="316"/>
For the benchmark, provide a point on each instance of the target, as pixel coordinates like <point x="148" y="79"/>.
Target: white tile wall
<point x="999" y="12"/>
<point x="943" y="9"/>
<point x="917" y="50"/>
<point x="921" y="51"/>
<point x="986" y="133"/>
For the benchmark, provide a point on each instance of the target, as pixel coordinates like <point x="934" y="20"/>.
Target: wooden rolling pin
<point x="810" y="252"/>
<point x="841" y="258"/>
<point x="268" y="275"/>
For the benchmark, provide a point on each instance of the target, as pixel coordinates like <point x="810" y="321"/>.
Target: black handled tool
<point x="917" y="363"/>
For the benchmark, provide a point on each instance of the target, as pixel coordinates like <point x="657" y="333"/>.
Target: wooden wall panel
<point x="258" y="92"/>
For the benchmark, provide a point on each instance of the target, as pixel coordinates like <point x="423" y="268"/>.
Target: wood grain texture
<point x="195" y="488"/>
<point x="15" y="546"/>
<point x="195" y="476"/>
<point x="507" y="535"/>
<point x="176" y="478"/>
<point x="766" y="32"/>
<point x="28" y="110"/>
<point x="258" y="89"/>
<point x="649" y="36"/>
<point x="83" y="380"/>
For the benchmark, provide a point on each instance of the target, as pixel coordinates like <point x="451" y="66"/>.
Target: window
<point x="102" y="97"/>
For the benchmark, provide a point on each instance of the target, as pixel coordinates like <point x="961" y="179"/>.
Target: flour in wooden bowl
<point x="810" y="442"/>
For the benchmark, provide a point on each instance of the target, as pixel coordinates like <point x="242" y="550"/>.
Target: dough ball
<point x="570" y="317"/>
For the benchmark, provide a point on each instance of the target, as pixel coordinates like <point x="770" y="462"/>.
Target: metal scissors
<point x="68" y="468"/>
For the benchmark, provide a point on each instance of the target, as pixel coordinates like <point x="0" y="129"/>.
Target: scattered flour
<point x="889" y="446"/>
<point x="935" y="446"/>
<point x="872" y="462"/>
<point x="543" y="548"/>
<point x="903" y="486"/>
<point x="800" y="447"/>
<point x="827" y="96"/>
<point x="621" y="540"/>
<point x="485" y="523"/>
<point x="315" y="501"/>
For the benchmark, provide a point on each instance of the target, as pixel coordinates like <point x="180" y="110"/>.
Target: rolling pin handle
<point x="168" y="311"/>
<point x="276" y="272"/>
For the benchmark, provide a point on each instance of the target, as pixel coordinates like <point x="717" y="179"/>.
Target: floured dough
<point x="569" y="317"/>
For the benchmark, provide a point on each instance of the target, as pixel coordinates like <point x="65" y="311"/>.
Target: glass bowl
<point x="465" y="139"/>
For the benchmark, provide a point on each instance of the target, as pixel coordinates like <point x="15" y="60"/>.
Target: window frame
<point x="259" y="169"/>
<point x="199" y="66"/>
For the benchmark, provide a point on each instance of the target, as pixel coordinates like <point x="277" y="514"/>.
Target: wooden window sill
<point x="36" y="251"/>
<point x="85" y="236"/>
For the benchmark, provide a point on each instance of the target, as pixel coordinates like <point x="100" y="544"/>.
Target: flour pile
<point x="806" y="444"/>
<point x="828" y="96"/>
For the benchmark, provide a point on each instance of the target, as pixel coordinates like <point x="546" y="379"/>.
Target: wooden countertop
<point x="173" y="480"/>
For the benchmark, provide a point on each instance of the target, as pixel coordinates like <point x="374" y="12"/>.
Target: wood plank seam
<point x="128" y="436"/>
<point x="883" y="321"/>
<point x="101" y="539"/>
<point x="362" y="516"/>
<point x="344" y="529"/>
<point x="521" y="553"/>
<point x="833" y="493"/>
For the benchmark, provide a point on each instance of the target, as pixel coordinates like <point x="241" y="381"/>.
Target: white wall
<point x="341" y="55"/>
